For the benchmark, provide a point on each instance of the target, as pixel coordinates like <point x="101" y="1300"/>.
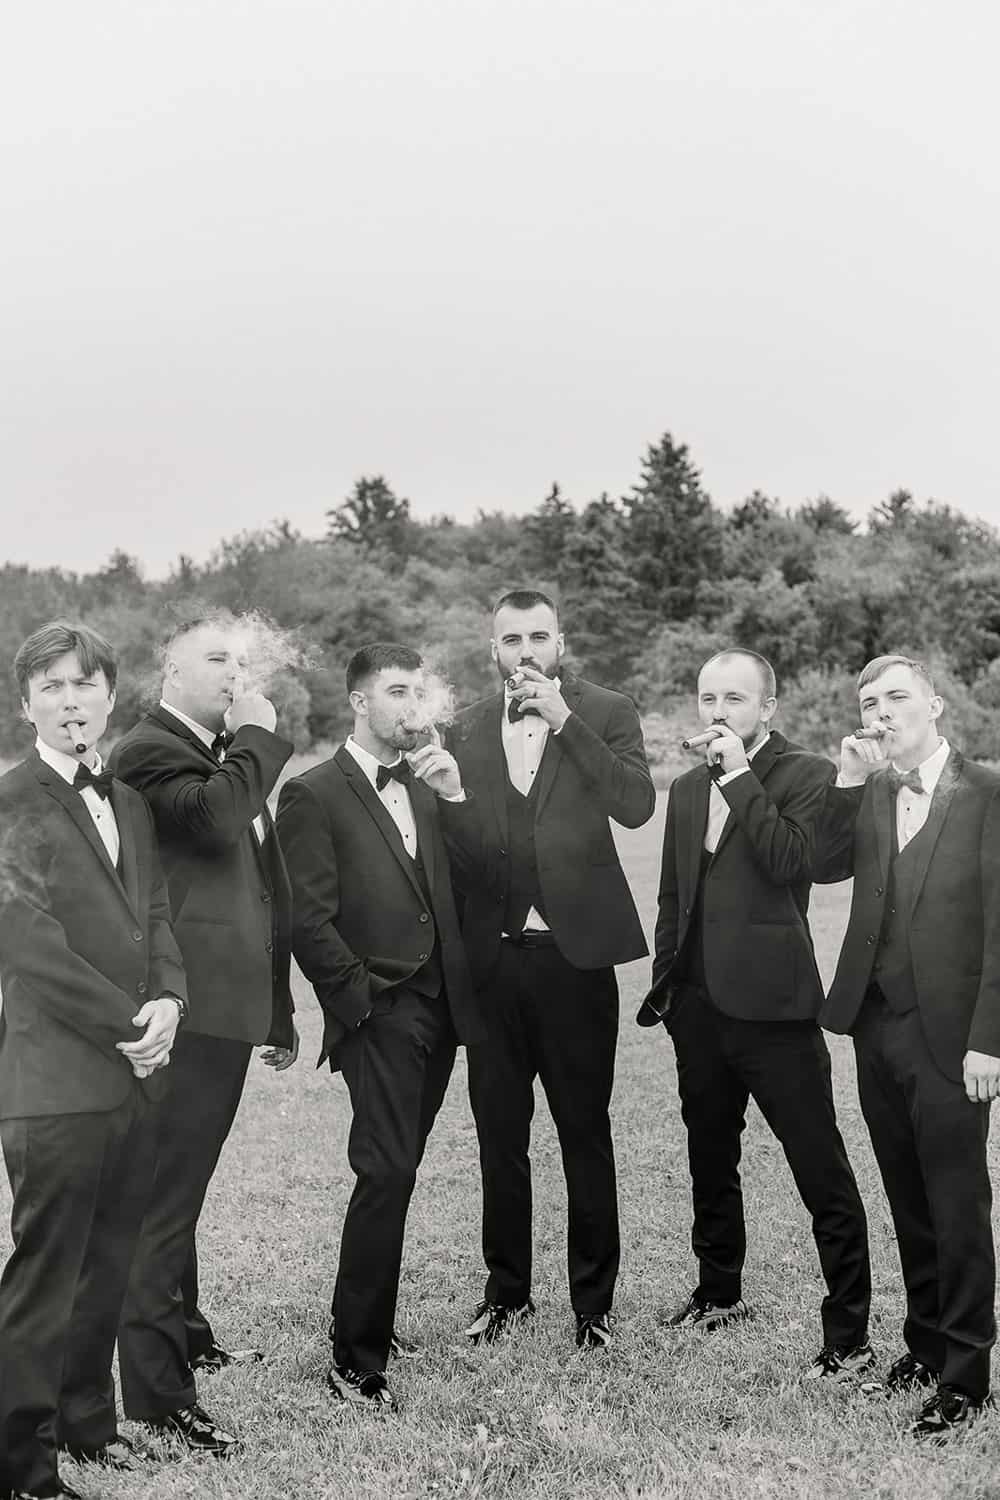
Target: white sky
<point x="254" y="250"/>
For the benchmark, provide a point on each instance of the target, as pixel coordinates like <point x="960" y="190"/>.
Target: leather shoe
<point x="64" y="1492"/>
<point x="948" y="1410"/>
<point x="197" y="1430"/>
<point x="370" y="1390"/>
<point x="491" y="1320"/>
<point x="701" y="1312"/>
<point x="593" y="1332"/>
<point x="119" y="1453"/>
<point x="215" y="1359"/>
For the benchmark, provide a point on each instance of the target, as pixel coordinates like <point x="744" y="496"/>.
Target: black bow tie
<point x="516" y="710"/>
<point x="399" y="772"/>
<point x="85" y="777"/>
<point x="222" y="742"/>
<point x="910" y="779"/>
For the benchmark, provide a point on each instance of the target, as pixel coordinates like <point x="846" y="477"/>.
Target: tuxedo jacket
<point x="362" y="923"/>
<point x="954" y="918"/>
<point x="229" y="893"/>
<point x="593" y="770"/>
<point x="81" y="949"/>
<point x="758" y="952"/>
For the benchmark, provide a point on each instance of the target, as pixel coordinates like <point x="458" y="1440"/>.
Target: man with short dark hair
<point x="736" y="985"/>
<point x="87" y="961"/>
<point x="375" y="932"/>
<point x="918" y="988"/>
<point x="546" y="764"/>
<point x="205" y="759"/>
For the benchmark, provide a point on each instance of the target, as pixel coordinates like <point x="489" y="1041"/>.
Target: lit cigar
<point x="696" y="741"/>
<point x="79" y="743"/>
<point x="873" y="732"/>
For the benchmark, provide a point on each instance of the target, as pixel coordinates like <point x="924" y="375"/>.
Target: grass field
<point x="662" y="1416"/>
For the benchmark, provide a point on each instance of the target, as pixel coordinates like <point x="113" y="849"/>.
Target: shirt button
<point x="424" y="917"/>
<point x="421" y="956"/>
<point x="137" y="936"/>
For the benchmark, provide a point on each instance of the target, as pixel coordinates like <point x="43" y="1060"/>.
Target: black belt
<point x="528" y="939"/>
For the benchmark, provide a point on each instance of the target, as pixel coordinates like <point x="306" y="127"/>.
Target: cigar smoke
<point x="438" y="705"/>
<point x="269" y="651"/>
<point x="76" y="730"/>
<point x="698" y="741"/>
<point x="873" y="732"/>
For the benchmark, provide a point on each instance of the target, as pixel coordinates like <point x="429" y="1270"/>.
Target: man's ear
<point x="493" y="649"/>
<point x="358" y="701"/>
<point x="560" y="645"/>
<point x="936" y="707"/>
<point x="768" y="708"/>
<point x="24" y="712"/>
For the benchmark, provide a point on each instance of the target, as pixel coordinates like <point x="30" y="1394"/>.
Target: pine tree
<point x="672" y="532"/>
<point x="598" y="595"/>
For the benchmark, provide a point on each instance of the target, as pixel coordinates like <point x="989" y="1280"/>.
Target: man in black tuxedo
<point x="207" y="788"/>
<point x="87" y="959"/>
<point x="736" y="984"/>
<point x="375" y="931"/>
<point x="918" y="988"/>
<point x="545" y="764"/>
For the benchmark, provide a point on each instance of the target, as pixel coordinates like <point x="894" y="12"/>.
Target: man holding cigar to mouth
<point x="918" y="988"/>
<point x="735" y="984"/>
<point x="93" y="991"/>
<point x="546" y="763"/>
<point x="205" y="759"/>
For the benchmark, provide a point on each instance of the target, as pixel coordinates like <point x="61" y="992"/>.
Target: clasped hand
<point x="158" y="1020"/>
<point x="981" y="1076"/>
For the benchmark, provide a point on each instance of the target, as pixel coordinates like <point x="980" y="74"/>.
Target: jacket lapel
<point x="552" y="757"/>
<point x="700" y="788"/>
<point x="883" y="813"/>
<point x="365" y="792"/>
<point x="761" y="766"/>
<point x="496" y="764"/>
<point x="75" y="806"/>
<point x="923" y="847"/>
<point x="170" y="721"/>
<point x="126" y="837"/>
<point x="420" y="801"/>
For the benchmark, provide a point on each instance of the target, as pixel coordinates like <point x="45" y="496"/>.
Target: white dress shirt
<point x="394" y="796"/>
<point x="100" y="808"/>
<point x="718" y="807"/>
<point x="912" y="807"/>
<point x="524" y="743"/>
<point x="208" y="739"/>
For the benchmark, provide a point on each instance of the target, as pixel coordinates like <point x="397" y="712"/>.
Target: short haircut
<point x="186" y="623"/>
<point x="524" y="599"/>
<point x="381" y="656"/>
<point x="768" y="681"/>
<point x="58" y="638"/>
<point x="880" y="664"/>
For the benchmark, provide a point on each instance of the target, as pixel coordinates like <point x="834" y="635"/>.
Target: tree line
<point x="648" y="584"/>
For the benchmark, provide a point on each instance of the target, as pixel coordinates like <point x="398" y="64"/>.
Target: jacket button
<point x="503" y="851"/>
<point x="140" y="988"/>
<point x="687" y="911"/>
<point x="421" y="956"/>
<point x="269" y="947"/>
<point x="137" y="936"/>
<point x="265" y="897"/>
<point x="870" y="939"/>
<point x="879" y="891"/>
<point x="424" y="917"/>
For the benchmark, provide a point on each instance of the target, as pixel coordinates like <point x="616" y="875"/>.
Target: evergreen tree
<point x="546" y="532"/>
<point x="373" y="516"/>
<point x="598" y="595"/>
<point x="673" y="535"/>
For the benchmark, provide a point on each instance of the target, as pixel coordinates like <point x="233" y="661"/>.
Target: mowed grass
<point x="664" y="1415"/>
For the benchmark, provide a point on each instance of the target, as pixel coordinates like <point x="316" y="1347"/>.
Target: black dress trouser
<point x="784" y="1066"/>
<point x="930" y="1143"/>
<point x="396" y="1066"/>
<point x="206" y="1078"/>
<point x="80" y="1186"/>
<point x="547" y="1019"/>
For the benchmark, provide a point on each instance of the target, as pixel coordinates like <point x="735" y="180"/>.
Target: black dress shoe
<point x="120" y="1453"/>
<point x="909" y="1374"/>
<point x="701" y="1312"/>
<point x="196" y="1430"/>
<point x="64" y="1492"/>
<point x="491" y="1320"/>
<point x="370" y="1390"/>
<point x="841" y="1362"/>
<point x="948" y="1412"/>
<point x="593" y="1332"/>
<point x="215" y="1359"/>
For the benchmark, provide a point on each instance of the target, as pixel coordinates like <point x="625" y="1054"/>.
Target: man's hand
<point x="437" y="767"/>
<point x="158" y="1020"/>
<point x="981" y="1075"/>
<point x="859" y="758"/>
<point x="541" y="693"/>
<point x="252" y="708"/>
<point x="280" y="1058"/>
<point x="727" y="752"/>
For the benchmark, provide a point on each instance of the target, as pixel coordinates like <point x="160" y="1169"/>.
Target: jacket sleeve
<point x="984" y="1032"/>
<point x="665" y="941"/>
<point x="465" y="841"/>
<point x="615" y="766"/>
<point x="833" y="854"/>
<point x="782" y="840"/>
<point x="213" y="808"/>
<point x="340" y="978"/>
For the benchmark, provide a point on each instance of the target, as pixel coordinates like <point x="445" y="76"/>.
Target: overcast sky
<point x="257" y="248"/>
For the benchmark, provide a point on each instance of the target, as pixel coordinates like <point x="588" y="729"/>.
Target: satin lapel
<point x="420" y="801"/>
<point x="75" y="806"/>
<point x="496" y="763"/>
<point x="365" y="792"/>
<point x="883" y="811"/>
<point x="552" y="757"/>
<point x="168" y="721"/>
<point x="761" y="766"/>
<point x="938" y="812"/>
<point x="700" y="786"/>
<point x="126" y="836"/>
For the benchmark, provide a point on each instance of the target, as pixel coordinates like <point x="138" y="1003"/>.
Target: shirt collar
<point x="366" y="760"/>
<point x="759" y="745"/>
<point x="64" y="764"/>
<point x="205" y="735"/>
<point x="931" y="768"/>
